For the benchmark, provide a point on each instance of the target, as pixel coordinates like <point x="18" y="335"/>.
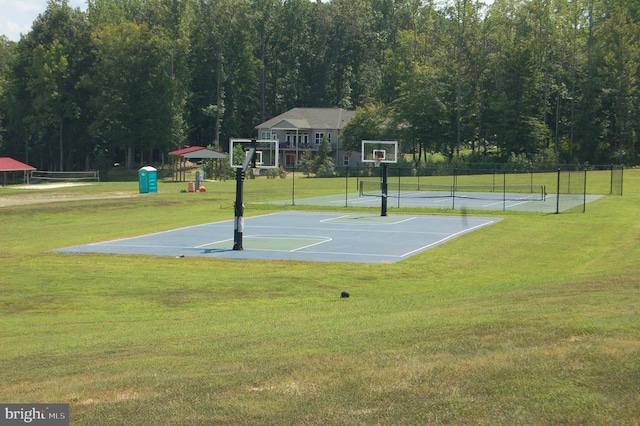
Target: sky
<point x="16" y="16"/>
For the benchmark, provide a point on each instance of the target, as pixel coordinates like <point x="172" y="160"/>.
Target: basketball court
<point x="303" y="236"/>
<point x="318" y="237"/>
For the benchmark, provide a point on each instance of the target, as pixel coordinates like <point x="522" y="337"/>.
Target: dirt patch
<point x="51" y="185"/>
<point x="38" y="197"/>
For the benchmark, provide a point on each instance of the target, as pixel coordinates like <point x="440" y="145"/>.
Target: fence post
<point x="358" y="175"/>
<point x="293" y="185"/>
<point x="504" y="191"/>
<point x="584" y="197"/>
<point x="558" y="193"/>
<point x="454" y="188"/>
<point x="399" y="187"/>
<point x="611" y="181"/>
<point x="346" y="187"/>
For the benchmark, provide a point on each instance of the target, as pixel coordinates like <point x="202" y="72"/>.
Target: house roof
<point x="8" y="164"/>
<point x="197" y="152"/>
<point x="309" y="118"/>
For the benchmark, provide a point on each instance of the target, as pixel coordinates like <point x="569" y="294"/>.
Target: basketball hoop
<point x="378" y="161"/>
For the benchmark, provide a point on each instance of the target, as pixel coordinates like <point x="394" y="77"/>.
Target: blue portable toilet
<point x="148" y="179"/>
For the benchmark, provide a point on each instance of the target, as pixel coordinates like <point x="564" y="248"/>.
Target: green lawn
<point x="534" y="320"/>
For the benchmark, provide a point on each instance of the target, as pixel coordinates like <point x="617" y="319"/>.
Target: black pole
<point x="399" y="186"/>
<point x="346" y="187"/>
<point x="584" y="194"/>
<point x="504" y="191"/>
<point x="453" y="189"/>
<point x="385" y="186"/>
<point x="238" y="227"/>
<point x="238" y="224"/>
<point x="558" y="194"/>
<point x="293" y="184"/>
<point x="611" y="181"/>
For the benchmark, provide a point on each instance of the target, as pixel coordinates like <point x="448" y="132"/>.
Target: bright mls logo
<point x="34" y="414"/>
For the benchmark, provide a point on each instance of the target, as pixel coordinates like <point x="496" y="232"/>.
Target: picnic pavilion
<point x="10" y="166"/>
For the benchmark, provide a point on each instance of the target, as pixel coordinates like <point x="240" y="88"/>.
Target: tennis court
<point x="304" y="236"/>
<point x="534" y="200"/>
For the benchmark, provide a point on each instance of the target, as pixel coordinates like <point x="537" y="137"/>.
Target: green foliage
<point x="136" y="90"/>
<point x="48" y="106"/>
<point x="371" y="122"/>
<point x="280" y="172"/>
<point x="239" y="155"/>
<point x="323" y="165"/>
<point x="423" y="113"/>
<point x="306" y="166"/>
<point x="208" y="167"/>
<point x="103" y="165"/>
<point x="7" y="59"/>
<point x="139" y="78"/>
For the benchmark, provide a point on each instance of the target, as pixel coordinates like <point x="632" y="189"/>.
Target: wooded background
<point x="129" y="80"/>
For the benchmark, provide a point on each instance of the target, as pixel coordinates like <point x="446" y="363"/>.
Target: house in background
<point x="302" y="129"/>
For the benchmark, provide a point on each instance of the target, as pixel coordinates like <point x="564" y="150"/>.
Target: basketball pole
<point x="385" y="186"/>
<point x="238" y="224"/>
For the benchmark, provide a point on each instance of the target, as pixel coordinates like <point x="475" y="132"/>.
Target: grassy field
<point x="534" y="320"/>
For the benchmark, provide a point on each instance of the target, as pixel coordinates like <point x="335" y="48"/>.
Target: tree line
<point x="130" y="80"/>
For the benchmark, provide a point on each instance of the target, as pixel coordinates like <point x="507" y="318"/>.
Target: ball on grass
<point x="344" y="294"/>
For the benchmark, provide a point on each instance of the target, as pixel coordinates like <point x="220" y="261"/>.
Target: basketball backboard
<point x="379" y="152"/>
<point x="266" y="155"/>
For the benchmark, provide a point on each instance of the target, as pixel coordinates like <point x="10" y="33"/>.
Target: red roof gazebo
<point x="192" y="152"/>
<point x="9" y="165"/>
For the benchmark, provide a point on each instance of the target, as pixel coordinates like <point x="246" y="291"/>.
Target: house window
<point x="265" y="134"/>
<point x="319" y="137"/>
<point x="303" y="138"/>
<point x="345" y="160"/>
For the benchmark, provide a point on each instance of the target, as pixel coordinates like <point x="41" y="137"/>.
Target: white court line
<point x="148" y="235"/>
<point x="508" y="203"/>
<point x="347" y="216"/>
<point x="448" y="238"/>
<point x="517" y="204"/>
<point x="405" y="220"/>
<point x="152" y="246"/>
<point x="276" y="237"/>
<point x="368" y="231"/>
<point x="335" y="218"/>
<point x="214" y="242"/>
<point x="338" y="253"/>
<point x="448" y="199"/>
<point x="355" y="201"/>
<point x="176" y="229"/>
<point x="327" y="239"/>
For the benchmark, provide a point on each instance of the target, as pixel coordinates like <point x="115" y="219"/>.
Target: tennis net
<point x="370" y="188"/>
<point x="43" y="175"/>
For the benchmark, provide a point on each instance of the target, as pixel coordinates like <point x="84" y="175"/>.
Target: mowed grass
<point x="534" y="320"/>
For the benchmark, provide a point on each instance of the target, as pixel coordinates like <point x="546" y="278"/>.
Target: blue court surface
<point x="305" y="236"/>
